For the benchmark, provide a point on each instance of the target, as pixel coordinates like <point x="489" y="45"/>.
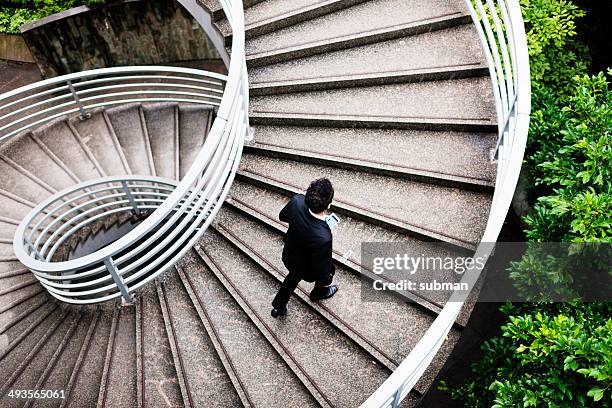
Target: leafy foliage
<point x="15" y="13"/>
<point x="575" y="166"/>
<point x="559" y="356"/>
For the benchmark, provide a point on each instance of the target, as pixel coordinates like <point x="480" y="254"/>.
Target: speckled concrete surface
<point x="209" y="383"/>
<point x="84" y="392"/>
<point x="161" y="384"/>
<point x="128" y="128"/>
<point x="469" y="98"/>
<point x="121" y="385"/>
<point x="367" y="16"/>
<point x="34" y="159"/>
<point x="272" y="8"/>
<point x="12" y="209"/>
<point x="96" y="135"/>
<point x="58" y="138"/>
<point x="458" y="153"/>
<point x="193" y="128"/>
<point x="434" y="49"/>
<point x="326" y="355"/>
<point x="28" y="378"/>
<point x="13" y="322"/>
<point x="161" y="127"/>
<point x="7" y="229"/>
<point x="14" y="182"/>
<point x="268" y="380"/>
<point x="18" y="295"/>
<point x="12" y="360"/>
<point x="11" y="281"/>
<point x="10" y="266"/>
<point x="454" y="212"/>
<point x="60" y="374"/>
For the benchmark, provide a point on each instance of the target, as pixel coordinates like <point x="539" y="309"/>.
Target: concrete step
<point x="15" y="283"/>
<point x="8" y="226"/>
<point x="118" y="384"/>
<point x="459" y="159"/>
<point x="24" y="349"/>
<point x="14" y="297"/>
<point x="431" y="55"/>
<point x="97" y="136"/>
<point x="322" y="352"/>
<point x="43" y="356"/>
<point x="27" y="153"/>
<point x="162" y="126"/>
<point x="11" y="308"/>
<point x="369" y="79"/>
<point x="194" y="354"/>
<point x="128" y="124"/>
<point x="461" y="101"/>
<point x="13" y="207"/>
<point x="240" y="345"/>
<point x="365" y="23"/>
<point x="427" y="211"/>
<point x="158" y="380"/>
<point x="59" y="138"/>
<point x="272" y="15"/>
<point x="10" y="269"/>
<point x="83" y="387"/>
<point x="194" y="124"/>
<point x="21" y="185"/>
<point x="19" y="320"/>
<point x="214" y="8"/>
<point x="58" y="376"/>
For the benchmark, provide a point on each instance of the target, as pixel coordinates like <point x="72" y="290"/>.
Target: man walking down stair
<point x="307" y="253"/>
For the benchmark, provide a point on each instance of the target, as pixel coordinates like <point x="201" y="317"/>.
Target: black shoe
<point x="324" y="293"/>
<point x="278" y="313"/>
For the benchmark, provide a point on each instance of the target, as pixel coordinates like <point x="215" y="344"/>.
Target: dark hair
<point x="319" y="195"/>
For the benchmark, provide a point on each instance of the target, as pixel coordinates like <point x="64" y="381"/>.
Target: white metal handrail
<point x="500" y="27"/>
<point x="179" y="212"/>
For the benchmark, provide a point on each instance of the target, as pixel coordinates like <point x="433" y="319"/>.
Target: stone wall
<point x="128" y="32"/>
<point x="14" y="48"/>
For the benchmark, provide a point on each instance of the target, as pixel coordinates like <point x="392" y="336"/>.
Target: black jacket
<point x="308" y="242"/>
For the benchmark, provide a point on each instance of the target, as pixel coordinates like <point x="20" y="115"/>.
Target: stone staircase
<point x="390" y="99"/>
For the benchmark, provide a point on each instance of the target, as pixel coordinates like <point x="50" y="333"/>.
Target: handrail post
<point x="112" y="269"/>
<point x="130" y="197"/>
<point x="33" y="248"/>
<point x="397" y="398"/>
<point x="83" y="115"/>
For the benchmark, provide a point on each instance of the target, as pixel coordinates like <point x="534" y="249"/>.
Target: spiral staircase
<point x="134" y="272"/>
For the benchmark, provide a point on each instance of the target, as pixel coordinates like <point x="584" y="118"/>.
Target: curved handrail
<point x="500" y="27"/>
<point x="178" y="217"/>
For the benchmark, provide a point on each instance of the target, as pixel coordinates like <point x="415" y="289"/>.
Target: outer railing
<point x="502" y="35"/>
<point x="179" y="213"/>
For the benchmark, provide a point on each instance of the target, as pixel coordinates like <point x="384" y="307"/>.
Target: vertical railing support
<point x="33" y="248"/>
<point x="130" y="197"/>
<point x="112" y="269"/>
<point x="83" y="115"/>
<point x="397" y="398"/>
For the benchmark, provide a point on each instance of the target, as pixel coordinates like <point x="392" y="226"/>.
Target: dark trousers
<point x="291" y="282"/>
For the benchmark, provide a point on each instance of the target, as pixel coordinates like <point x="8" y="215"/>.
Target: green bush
<point x="15" y="13"/>
<point x="575" y="166"/>
<point x="559" y="356"/>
